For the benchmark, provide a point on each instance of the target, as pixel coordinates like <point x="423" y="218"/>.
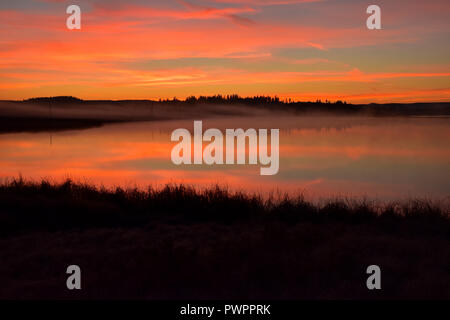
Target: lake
<point x="320" y="156"/>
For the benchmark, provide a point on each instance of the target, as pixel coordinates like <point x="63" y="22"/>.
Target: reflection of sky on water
<point x="378" y="157"/>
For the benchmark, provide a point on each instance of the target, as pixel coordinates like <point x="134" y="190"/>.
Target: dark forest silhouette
<point x="275" y="103"/>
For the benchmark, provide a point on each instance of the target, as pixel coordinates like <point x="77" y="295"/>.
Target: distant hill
<point x="268" y="103"/>
<point x="59" y="99"/>
<point x="67" y="112"/>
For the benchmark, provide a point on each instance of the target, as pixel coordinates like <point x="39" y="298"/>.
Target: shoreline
<point x="45" y="114"/>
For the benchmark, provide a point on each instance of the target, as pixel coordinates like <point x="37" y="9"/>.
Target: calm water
<point x="383" y="158"/>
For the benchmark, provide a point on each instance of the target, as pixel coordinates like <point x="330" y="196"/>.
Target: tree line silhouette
<point x="214" y="99"/>
<point x="273" y="102"/>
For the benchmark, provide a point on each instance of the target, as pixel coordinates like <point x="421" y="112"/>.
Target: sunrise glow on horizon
<point x="299" y="49"/>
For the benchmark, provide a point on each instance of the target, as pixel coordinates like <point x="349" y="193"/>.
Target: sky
<point x="299" y="49"/>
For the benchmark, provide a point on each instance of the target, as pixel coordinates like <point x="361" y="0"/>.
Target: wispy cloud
<point x="166" y="48"/>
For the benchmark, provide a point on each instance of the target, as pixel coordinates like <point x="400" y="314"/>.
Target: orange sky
<point x="305" y="50"/>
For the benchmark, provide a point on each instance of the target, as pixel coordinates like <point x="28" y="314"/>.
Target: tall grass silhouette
<point x="179" y="242"/>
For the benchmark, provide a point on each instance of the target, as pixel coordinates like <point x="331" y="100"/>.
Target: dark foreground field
<point x="184" y="244"/>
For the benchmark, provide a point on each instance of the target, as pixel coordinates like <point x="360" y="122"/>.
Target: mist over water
<point x="321" y="156"/>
